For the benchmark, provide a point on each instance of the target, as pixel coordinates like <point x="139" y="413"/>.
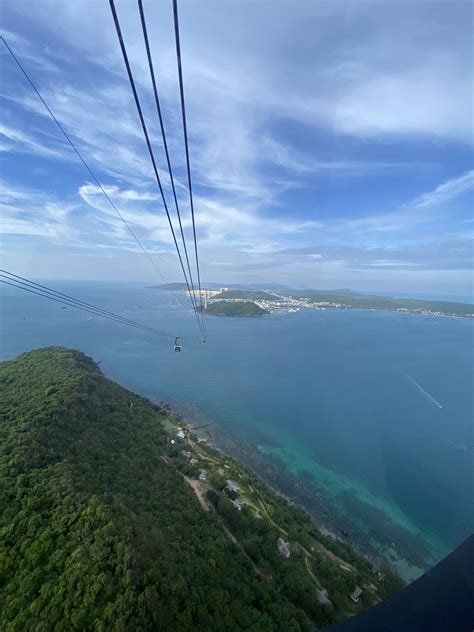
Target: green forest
<point x="235" y="308"/>
<point x="103" y="528"/>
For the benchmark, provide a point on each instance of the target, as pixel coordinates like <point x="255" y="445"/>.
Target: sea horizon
<point x="428" y="296"/>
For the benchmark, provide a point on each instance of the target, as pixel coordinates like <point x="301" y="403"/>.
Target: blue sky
<point x="331" y="142"/>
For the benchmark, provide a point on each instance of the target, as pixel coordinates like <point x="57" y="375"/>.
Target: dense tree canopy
<point x="98" y="533"/>
<point x="100" y="529"/>
<point x="235" y="308"/>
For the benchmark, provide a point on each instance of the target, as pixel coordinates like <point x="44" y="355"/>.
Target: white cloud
<point x="406" y="221"/>
<point x="370" y="79"/>
<point x="430" y="98"/>
<point x="357" y="74"/>
<point x="242" y="237"/>
<point x="18" y="141"/>
<point x="446" y="191"/>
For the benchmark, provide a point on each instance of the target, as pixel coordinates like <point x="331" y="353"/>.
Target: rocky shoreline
<point x="408" y="557"/>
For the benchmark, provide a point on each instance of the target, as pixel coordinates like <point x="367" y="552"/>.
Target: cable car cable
<point x="118" y="319"/>
<point x="150" y="149"/>
<point x="50" y="293"/>
<point x="186" y="145"/>
<point x="163" y="135"/>
<point x="92" y="174"/>
<point x="43" y="288"/>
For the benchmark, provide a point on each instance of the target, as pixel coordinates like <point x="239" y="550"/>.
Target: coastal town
<point x="269" y="301"/>
<point x="285" y="303"/>
<point x="266" y="300"/>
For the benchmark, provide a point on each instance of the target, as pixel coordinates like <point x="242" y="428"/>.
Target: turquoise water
<point x="373" y="407"/>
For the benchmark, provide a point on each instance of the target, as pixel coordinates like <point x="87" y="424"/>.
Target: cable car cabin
<point x="177" y="347"/>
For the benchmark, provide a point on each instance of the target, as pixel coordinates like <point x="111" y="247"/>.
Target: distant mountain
<point x="341" y="292"/>
<point x="345" y="291"/>
<point x="167" y="286"/>
<point x="213" y="286"/>
<point x="260" y="286"/>
<point x="246" y="286"/>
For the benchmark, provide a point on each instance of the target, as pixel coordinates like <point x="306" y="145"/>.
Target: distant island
<point x="116" y="516"/>
<point x="355" y="300"/>
<point x="273" y="298"/>
<point x="294" y="300"/>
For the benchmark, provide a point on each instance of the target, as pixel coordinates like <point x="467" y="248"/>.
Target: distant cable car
<point x="177" y="347"/>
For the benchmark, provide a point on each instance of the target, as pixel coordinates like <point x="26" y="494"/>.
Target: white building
<point x="323" y="597"/>
<point x="232" y="487"/>
<point x="355" y="596"/>
<point x="283" y="547"/>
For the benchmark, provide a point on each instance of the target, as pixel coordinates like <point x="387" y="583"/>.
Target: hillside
<point x="235" y="308"/>
<point x="104" y="525"/>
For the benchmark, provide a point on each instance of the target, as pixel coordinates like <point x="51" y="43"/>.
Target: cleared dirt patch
<point x="200" y="493"/>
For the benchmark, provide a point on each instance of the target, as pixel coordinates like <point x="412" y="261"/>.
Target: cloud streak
<point x="322" y="135"/>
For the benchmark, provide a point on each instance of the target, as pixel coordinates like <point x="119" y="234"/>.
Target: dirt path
<point x="233" y="539"/>
<point x="197" y="489"/>
<point x="337" y="560"/>
<point x="195" y="486"/>
<point x="205" y="504"/>
<point x="310" y="571"/>
<point x="267" y="516"/>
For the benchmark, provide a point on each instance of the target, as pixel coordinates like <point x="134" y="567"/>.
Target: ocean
<point x="364" y="417"/>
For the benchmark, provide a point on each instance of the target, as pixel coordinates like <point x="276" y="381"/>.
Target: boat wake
<point x="458" y="446"/>
<point x="425" y="393"/>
